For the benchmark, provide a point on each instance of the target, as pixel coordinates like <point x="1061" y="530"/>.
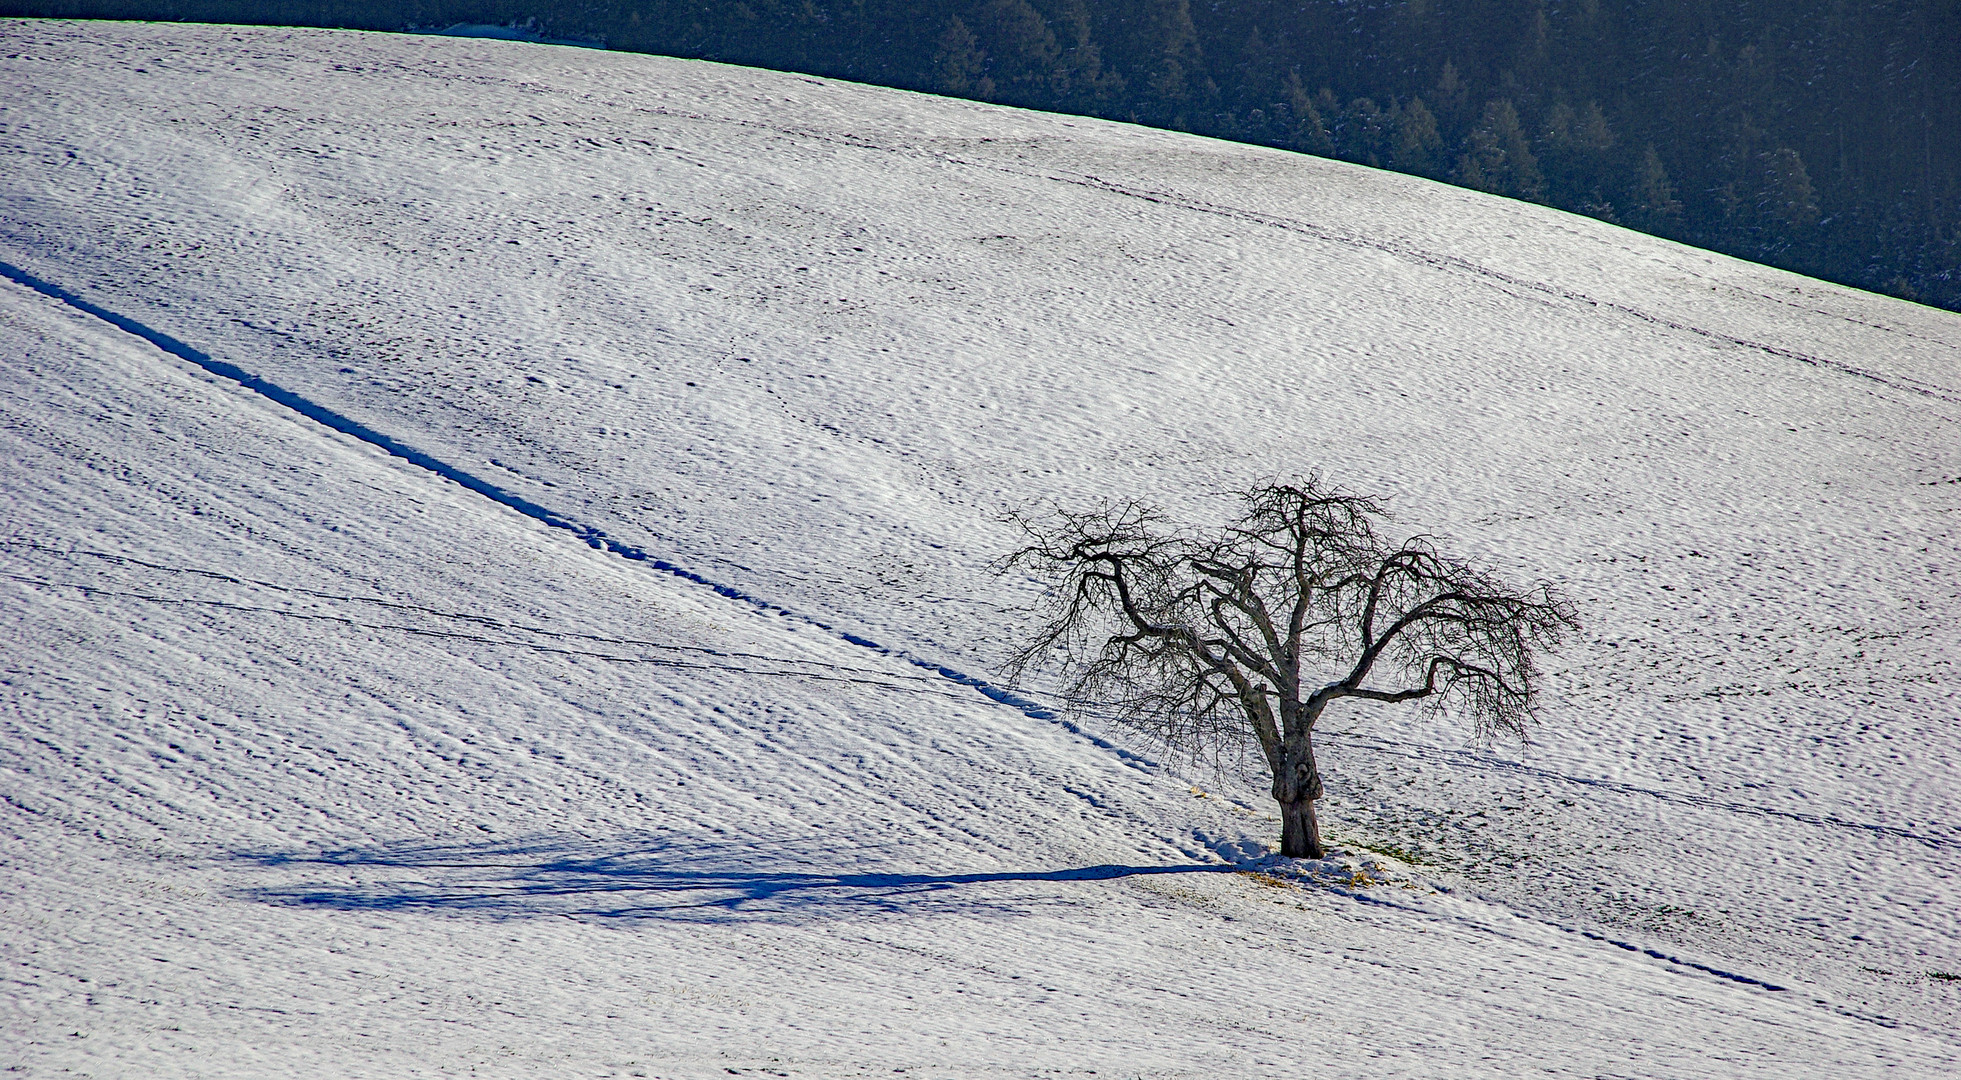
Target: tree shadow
<point x="665" y="879"/>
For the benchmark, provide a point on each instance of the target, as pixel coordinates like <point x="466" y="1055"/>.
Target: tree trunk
<point x="1295" y="789"/>
<point x="1300" y="834"/>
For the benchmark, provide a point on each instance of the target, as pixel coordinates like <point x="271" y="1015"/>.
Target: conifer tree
<point x="1360" y="133"/>
<point x="958" y="64"/>
<point x="1021" y="52"/>
<point x="1654" y="196"/>
<point x="1416" y="142"/>
<point x="1081" y="79"/>
<point x="1161" y="43"/>
<point x="1451" y="98"/>
<point x="1788" y="191"/>
<point x="1309" y="132"/>
<point x="1498" y="157"/>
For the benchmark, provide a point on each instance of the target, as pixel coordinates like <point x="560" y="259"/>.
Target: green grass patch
<point x="1383" y="847"/>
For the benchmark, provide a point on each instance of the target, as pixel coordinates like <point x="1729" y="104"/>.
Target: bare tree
<point x="1252" y="634"/>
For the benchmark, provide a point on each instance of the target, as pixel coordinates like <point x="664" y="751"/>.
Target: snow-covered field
<point x="321" y="760"/>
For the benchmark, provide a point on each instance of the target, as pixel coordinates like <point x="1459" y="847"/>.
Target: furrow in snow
<point x="1911" y="386"/>
<point x="593" y="537"/>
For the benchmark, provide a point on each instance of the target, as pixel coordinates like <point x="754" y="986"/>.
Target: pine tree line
<point x="1818" y="135"/>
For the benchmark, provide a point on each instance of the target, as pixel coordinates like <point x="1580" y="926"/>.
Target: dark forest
<point x="1816" y="135"/>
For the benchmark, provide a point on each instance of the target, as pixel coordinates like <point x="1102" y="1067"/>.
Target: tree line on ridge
<point x="1821" y="136"/>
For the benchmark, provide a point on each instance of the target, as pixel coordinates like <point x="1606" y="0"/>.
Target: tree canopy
<point x="1249" y="634"/>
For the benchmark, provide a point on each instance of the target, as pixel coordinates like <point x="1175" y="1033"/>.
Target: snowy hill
<point x="481" y="683"/>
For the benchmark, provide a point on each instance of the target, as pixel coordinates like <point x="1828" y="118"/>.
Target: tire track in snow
<point x="1318" y="232"/>
<point x="503" y="625"/>
<point x="1363" y="896"/>
<point x="478" y="639"/>
<point x="592" y="536"/>
<point x="1480" y="761"/>
<point x="1463" y="265"/>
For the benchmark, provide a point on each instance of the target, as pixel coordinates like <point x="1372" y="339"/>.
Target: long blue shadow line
<point x="598" y="885"/>
<point x="593" y="537"/>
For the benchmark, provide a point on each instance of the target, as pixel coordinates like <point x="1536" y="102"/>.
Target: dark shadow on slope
<point x="663" y="879"/>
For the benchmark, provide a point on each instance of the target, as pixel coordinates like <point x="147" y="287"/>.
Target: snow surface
<point x="321" y="759"/>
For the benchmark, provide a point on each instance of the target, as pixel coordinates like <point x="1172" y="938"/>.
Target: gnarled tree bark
<point x="1296" y="787"/>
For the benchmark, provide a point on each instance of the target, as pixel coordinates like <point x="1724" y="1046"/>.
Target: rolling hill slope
<point x="320" y="756"/>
